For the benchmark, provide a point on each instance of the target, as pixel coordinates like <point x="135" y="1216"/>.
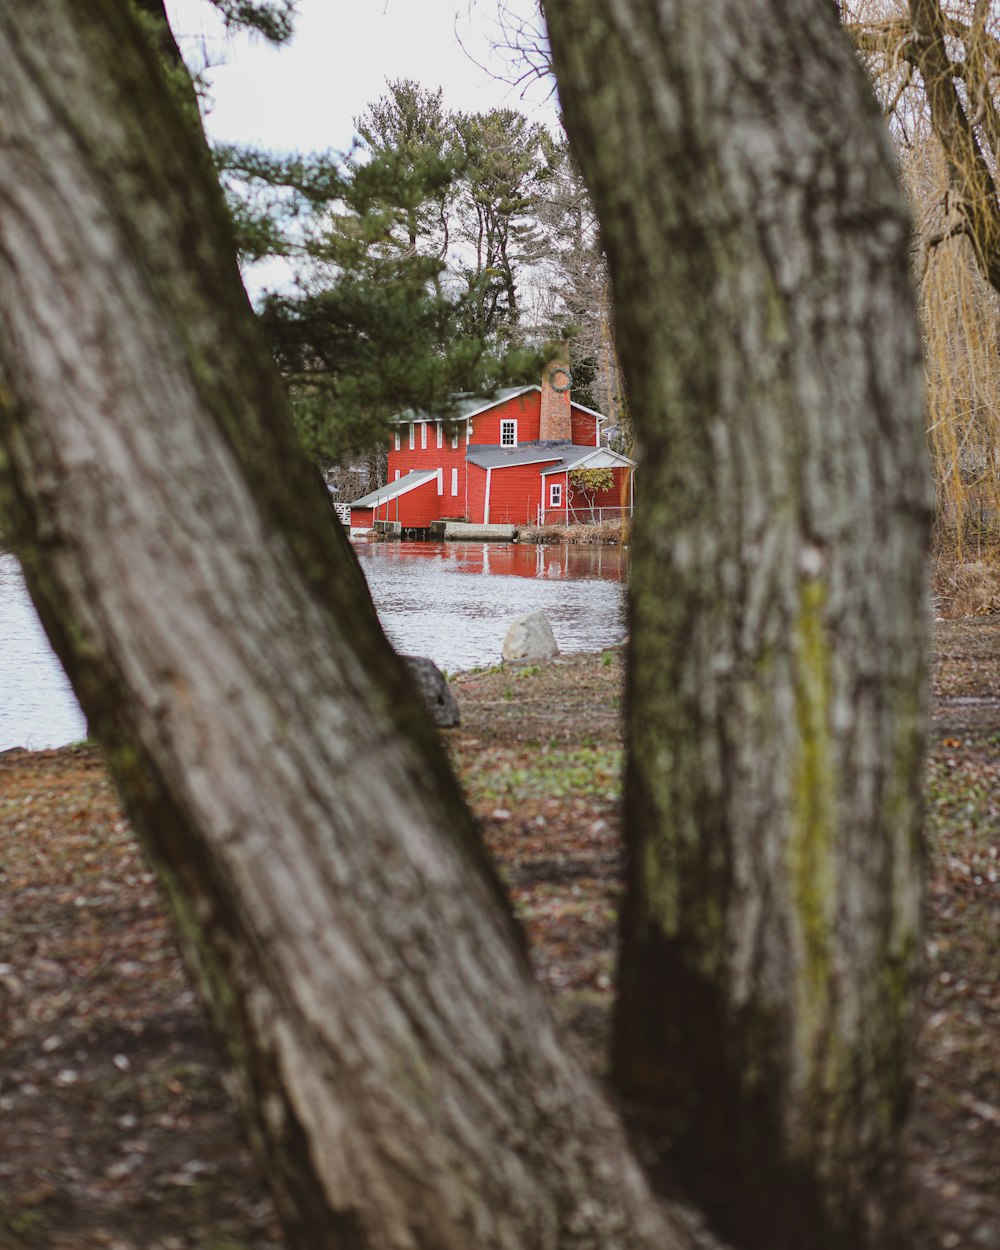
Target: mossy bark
<point x="395" y="1060"/>
<point x="758" y="249"/>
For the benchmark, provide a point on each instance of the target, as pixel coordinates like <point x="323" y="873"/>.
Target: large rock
<point x="434" y="690"/>
<point x="529" y="640"/>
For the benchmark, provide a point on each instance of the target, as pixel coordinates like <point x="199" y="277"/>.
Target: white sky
<point x="303" y="96"/>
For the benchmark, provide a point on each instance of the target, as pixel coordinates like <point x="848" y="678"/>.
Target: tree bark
<point x="395" y="1060"/>
<point x="758" y="248"/>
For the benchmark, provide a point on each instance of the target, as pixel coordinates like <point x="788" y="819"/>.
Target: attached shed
<point x="422" y="504"/>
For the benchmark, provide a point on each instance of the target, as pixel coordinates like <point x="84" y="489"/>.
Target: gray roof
<point x="399" y="487"/>
<point x="560" y="455"/>
<point x="488" y="456"/>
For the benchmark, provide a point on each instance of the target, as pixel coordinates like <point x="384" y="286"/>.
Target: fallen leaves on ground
<point x="117" y="1134"/>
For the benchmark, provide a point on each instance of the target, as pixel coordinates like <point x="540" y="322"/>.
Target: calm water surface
<point x="450" y="601"/>
<point x="37" y="706"/>
<point x="455" y="601"/>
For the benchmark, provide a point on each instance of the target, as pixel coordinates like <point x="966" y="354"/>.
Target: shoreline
<point x="603" y="533"/>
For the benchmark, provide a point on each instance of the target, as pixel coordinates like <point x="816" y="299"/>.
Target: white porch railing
<point x="582" y="516"/>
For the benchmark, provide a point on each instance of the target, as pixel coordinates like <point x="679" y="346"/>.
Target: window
<point x="397" y="440"/>
<point x="508" y="433"/>
<point x="454" y="440"/>
<point x="454" y="481"/>
<point x="440" y="434"/>
<point x="397" y="474"/>
<point x="411" y="436"/>
<point x="440" y="481"/>
<point x="555" y="495"/>
<point x="423" y="435"/>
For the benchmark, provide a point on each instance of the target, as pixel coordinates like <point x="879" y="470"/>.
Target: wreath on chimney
<point x="555" y="374"/>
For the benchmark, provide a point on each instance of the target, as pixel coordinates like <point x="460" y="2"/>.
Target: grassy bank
<point x="610" y="533"/>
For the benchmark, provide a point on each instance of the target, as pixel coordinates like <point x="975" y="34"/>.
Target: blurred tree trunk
<point x="396" y="1062"/>
<point x="758" y="250"/>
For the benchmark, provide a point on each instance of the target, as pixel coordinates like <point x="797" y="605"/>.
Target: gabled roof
<point x="393" y="489"/>
<point x="577" y="457"/>
<point x="466" y="406"/>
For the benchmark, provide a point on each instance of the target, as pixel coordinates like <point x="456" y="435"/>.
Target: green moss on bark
<point x="814" y="803"/>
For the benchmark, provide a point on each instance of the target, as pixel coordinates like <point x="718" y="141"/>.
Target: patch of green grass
<point x="29" y="1221"/>
<point x="959" y="805"/>
<point x="556" y="773"/>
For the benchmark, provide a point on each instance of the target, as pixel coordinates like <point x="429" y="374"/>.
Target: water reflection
<point x="451" y="601"/>
<point x="37" y="705"/>
<point x="427" y="608"/>
<point x="568" y="561"/>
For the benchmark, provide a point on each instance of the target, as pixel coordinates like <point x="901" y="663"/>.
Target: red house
<point x="502" y="461"/>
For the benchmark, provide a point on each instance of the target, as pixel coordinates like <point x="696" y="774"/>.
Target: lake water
<point x="37" y="705"/>
<point x="451" y="601"/>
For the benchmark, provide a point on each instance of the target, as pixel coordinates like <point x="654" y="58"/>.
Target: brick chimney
<point x="556" y="424"/>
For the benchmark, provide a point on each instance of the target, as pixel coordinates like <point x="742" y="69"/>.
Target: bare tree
<point x="935" y="69"/>
<point x="942" y="58"/>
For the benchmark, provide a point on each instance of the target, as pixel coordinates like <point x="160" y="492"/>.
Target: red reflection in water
<point x="570" y="561"/>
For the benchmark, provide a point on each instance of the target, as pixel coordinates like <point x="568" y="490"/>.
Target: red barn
<point x="502" y="461"/>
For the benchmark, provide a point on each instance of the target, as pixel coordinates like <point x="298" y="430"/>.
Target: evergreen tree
<point x="385" y="313"/>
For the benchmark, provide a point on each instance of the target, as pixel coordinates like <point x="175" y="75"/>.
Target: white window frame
<point x="440" y="482"/>
<point x="413" y="441"/>
<point x="397" y="475"/>
<point x="454" y="440"/>
<point x="423" y="435"/>
<point x="555" y="495"/>
<point x="509" y="423"/>
<point x="440" y="436"/>
<point x="397" y="440"/>
<point x="454" y="481"/>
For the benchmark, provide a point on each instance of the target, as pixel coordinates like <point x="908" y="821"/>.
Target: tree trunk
<point x="395" y="1059"/>
<point x="758" y="247"/>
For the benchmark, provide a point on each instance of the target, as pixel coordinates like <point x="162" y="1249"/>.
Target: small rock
<point x="529" y="640"/>
<point x="434" y="690"/>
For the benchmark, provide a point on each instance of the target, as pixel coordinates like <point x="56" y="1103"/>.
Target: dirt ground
<point x="115" y="1130"/>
